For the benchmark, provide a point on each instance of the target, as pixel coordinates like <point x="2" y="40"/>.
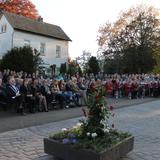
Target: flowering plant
<point x="98" y="112"/>
<point x="93" y="132"/>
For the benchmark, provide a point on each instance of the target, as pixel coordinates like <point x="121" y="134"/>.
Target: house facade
<point x="50" y="40"/>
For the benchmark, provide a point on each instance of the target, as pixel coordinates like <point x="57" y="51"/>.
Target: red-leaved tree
<point x="22" y="7"/>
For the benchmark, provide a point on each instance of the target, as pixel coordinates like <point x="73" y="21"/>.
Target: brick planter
<point x="67" y="152"/>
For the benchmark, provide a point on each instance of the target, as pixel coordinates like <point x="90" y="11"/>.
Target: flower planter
<point x="68" y="152"/>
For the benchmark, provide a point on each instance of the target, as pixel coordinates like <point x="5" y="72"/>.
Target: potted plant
<point x="93" y="138"/>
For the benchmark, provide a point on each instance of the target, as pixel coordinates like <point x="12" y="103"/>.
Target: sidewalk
<point x="10" y="121"/>
<point x="141" y="120"/>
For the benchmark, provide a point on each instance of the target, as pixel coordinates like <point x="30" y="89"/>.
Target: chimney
<point x="40" y="19"/>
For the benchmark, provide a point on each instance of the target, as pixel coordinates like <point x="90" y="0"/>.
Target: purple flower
<point x="74" y="140"/>
<point x="72" y="135"/>
<point x="65" y="141"/>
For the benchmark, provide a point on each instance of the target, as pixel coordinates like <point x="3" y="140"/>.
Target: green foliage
<point x="93" y="65"/>
<point x="112" y="66"/>
<point x="83" y="60"/>
<point x="99" y="144"/>
<point x="138" y="60"/>
<point x="130" y="42"/>
<point x="157" y="57"/>
<point x="37" y="60"/>
<point x="157" y="67"/>
<point x="98" y="111"/>
<point x="93" y="132"/>
<point x="73" y="68"/>
<point x="21" y="59"/>
<point x="80" y="71"/>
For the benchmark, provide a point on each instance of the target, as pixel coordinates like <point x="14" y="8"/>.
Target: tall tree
<point x="157" y="55"/>
<point x="132" y="39"/>
<point x="93" y="65"/>
<point x="22" y="7"/>
<point x="73" y="67"/>
<point x="83" y="60"/>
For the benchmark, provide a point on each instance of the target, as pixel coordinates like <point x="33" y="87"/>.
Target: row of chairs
<point x="7" y="104"/>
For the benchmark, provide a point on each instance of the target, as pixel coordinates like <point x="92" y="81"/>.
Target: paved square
<point x="140" y="120"/>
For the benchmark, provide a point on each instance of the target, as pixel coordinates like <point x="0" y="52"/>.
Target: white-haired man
<point x="14" y="94"/>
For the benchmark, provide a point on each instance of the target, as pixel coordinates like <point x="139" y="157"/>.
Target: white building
<point x="50" y="40"/>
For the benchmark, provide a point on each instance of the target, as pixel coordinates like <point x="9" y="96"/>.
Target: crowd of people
<point x="37" y="93"/>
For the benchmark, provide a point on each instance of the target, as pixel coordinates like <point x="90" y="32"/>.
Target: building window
<point x="3" y="28"/>
<point x="27" y="42"/>
<point x="42" y="49"/>
<point x="58" y="51"/>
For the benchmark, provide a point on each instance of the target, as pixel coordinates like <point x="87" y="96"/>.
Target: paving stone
<point x="141" y="120"/>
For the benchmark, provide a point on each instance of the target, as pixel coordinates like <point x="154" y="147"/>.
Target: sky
<point x="81" y="19"/>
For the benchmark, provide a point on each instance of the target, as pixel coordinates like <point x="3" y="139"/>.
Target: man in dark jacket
<point x="14" y="95"/>
<point x="3" y="95"/>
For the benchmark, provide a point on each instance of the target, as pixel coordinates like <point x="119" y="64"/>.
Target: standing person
<point x="14" y="95"/>
<point x="83" y="89"/>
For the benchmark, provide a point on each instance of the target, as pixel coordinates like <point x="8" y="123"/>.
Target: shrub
<point x="21" y="59"/>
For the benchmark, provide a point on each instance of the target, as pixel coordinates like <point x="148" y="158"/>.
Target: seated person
<point x="45" y="91"/>
<point x="27" y="97"/>
<point x="72" y="86"/>
<point x="61" y="85"/>
<point x="57" y="94"/>
<point x="68" y="92"/>
<point x="3" y="95"/>
<point x="35" y="91"/>
<point x="14" y="95"/>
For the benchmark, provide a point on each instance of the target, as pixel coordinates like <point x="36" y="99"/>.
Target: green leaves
<point x="93" y="132"/>
<point x="93" y="65"/>
<point x="98" y="111"/>
<point x="21" y="59"/>
<point x="129" y="43"/>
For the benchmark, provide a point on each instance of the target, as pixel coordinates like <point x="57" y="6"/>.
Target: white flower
<point x="106" y="130"/>
<point x="64" y="129"/>
<point x="94" y="135"/>
<point x="88" y="134"/>
<point x="79" y="124"/>
<point x="74" y="127"/>
<point x="103" y="108"/>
